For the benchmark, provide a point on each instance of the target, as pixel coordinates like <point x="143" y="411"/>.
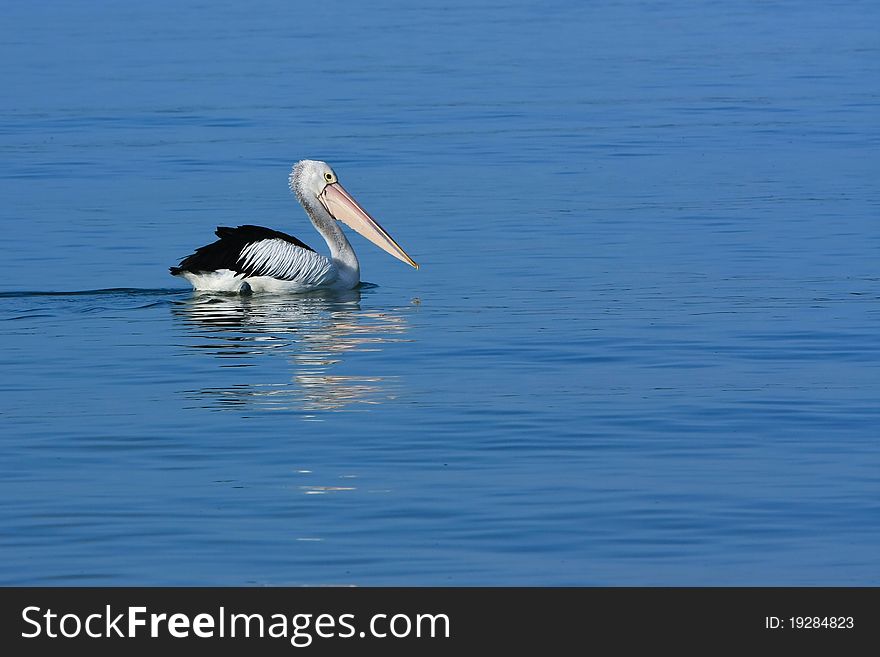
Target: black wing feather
<point x="224" y="253"/>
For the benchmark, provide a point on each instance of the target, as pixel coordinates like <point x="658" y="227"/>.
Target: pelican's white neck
<point x="341" y="251"/>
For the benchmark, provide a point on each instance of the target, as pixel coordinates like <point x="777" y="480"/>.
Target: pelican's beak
<point x="344" y="208"/>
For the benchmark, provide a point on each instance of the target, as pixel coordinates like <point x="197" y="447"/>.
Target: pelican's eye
<point x="328" y="177"/>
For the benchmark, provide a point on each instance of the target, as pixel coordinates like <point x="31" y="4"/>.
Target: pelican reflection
<point x="289" y="353"/>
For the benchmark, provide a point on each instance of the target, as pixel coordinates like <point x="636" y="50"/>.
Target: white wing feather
<point x="277" y="258"/>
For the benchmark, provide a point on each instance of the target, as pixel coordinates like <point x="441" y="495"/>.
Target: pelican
<point x="256" y="259"/>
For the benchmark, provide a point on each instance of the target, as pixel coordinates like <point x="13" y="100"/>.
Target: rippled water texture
<point x="642" y="347"/>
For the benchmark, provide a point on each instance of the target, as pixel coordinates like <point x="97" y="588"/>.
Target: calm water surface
<point x="642" y="348"/>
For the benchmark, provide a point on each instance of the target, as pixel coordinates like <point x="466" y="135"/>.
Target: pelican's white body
<point x="226" y="280"/>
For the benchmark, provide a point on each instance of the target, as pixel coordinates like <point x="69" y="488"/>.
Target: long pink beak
<point x="343" y="207"/>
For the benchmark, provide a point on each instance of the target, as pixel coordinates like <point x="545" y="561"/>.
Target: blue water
<point x="642" y="348"/>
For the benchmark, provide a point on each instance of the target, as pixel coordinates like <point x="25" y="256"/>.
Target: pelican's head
<point x="313" y="180"/>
